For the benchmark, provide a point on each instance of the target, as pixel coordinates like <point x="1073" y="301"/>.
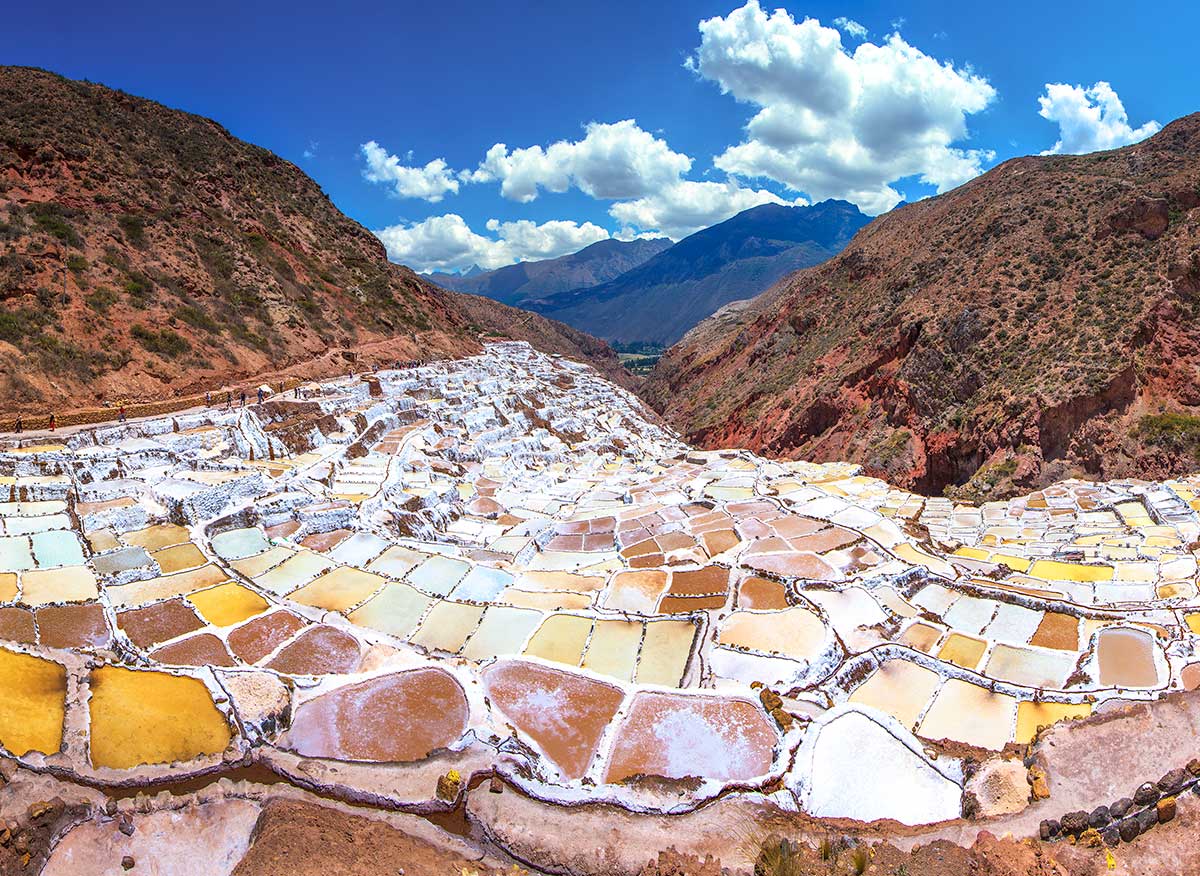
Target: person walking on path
<point x="121" y="413"/>
<point x="20" y="424"/>
<point x="260" y="395"/>
<point x="53" y="422"/>
<point x="208" y="399"/>
<point x="243" y="398"/>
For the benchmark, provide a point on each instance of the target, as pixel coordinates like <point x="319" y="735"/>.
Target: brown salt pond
<point x="1126" y="658"/>
<point x="151" y="717"/>
<point x="393" y="718"/>
<point x="73" y="626"/>
<point x="156" y="623"/>
<point x="676" y="736"/>
<point x="762" y="594"/>
<point x="255" y="639"/>
<point x="32" y="703"/>
<point x="16" y="625"/>
<point x="320" y="650"/>
<point x="202" y="650"/>
<point x="563" y="713"/>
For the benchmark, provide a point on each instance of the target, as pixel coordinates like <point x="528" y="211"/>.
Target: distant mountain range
<point x="660" y="299"/>
<point x="592" y="265"/>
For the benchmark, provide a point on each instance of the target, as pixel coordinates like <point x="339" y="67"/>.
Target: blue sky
<point x="869" y="101"/>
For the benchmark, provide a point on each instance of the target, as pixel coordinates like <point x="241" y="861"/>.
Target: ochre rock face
<point x="1005" y="334"/>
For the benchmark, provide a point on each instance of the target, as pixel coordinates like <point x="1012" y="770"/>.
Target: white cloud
<point x="1089" y="119"/>
<point x="851" y="27"/>
<point x="613" y="161"/>
<point x="431" y="182"/>
<point x="311" y="150"/>
<point x="832" y="123"/>
<point x="447" y="243"/>
<point x="685" y="207"/>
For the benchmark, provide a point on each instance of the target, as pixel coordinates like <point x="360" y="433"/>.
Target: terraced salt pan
<point x="139" y="717"/>
<point x="395" y="718"/>
<point x="859" y="765"/>
<point x="678" y="736"/>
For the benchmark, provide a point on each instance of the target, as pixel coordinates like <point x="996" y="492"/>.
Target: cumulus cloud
<point x="430" y="183"/>
<point x="851" y="27"/>
<point x="447" y="243"/>
<point x="835" y="123"/>
<point x="1089" y="119"/>
<point x="685" y="207"/>
<point x="613" y="161"/>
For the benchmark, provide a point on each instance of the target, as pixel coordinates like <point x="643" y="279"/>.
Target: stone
<point x="1145" y="794"/>
<point x="1166" y="809"/>
<point x="1121" y="808"/>
<point x="1174" y="781"/>
<point x="1193" y="766"/>
<point x="1049" y="829"/>
<point x="496" y="785"/>
<point x="448" y="786"/>
<point x="1075" y="823"/>
<point x="1146" y="819"/>
<point x="1111" y="836"/>
<point x="1100" y="817"/>
<point x="970" y="805"/>
<point x="1129" y="830"/>
<point x="1000" y="786"/>
<point x="125" y="825"/>
<point x="127" y="862"/>
<point x="1038" y="787"/>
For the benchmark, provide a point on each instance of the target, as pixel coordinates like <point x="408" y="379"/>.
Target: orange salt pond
<point x="393" y="718"/>
<point x="151" y="717"/>
<point x="675" y="736"/>
<point x="564" y="714"/>
<point x="1126" y="658"/>
<point x="32" y="703"/>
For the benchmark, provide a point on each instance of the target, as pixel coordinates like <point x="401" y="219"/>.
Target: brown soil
<point x="303" y="839"/>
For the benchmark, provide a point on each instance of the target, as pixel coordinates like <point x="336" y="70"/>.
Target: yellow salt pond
<point x="965" y="712"/>
<point x="227" y="604"/>
<point x="339" y="590"/>
<point x="900" y="688"/>
<point x="151" y="717"/>
<point x="794" y="632"/>
<point x="68" y="584"/>
<point x="1032" y="715"/>
<point x="32" y="703"/>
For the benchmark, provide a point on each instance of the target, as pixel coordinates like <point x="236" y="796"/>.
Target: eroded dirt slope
<point x="1039" y="321"/>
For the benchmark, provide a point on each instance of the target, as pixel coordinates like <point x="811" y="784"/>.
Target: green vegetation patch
<point x="1172" y="431"/>
<point x="163" y="342"/>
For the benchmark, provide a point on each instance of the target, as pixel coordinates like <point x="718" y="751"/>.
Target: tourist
<point x="261" y="395"/>
<point x="208" y="399"/>
<point x="296" y="391"/>
<point x="121" y="413"/>
<point x="53" y="422"/>
<point x="228" y="399"/>
<point x="243" y="398"/>
<point x="20" y="424"/>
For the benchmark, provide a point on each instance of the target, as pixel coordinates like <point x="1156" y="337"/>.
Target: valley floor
<point x="486" y="614"/>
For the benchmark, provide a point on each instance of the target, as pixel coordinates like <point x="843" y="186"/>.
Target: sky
<point x="477" y="133"/>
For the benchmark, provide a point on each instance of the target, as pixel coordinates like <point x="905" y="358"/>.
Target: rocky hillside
<point x="592" y="265"/>
<point x="659" y="300"/>
<point x="1040" y="321"/>
<point x="146" y="252"/>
